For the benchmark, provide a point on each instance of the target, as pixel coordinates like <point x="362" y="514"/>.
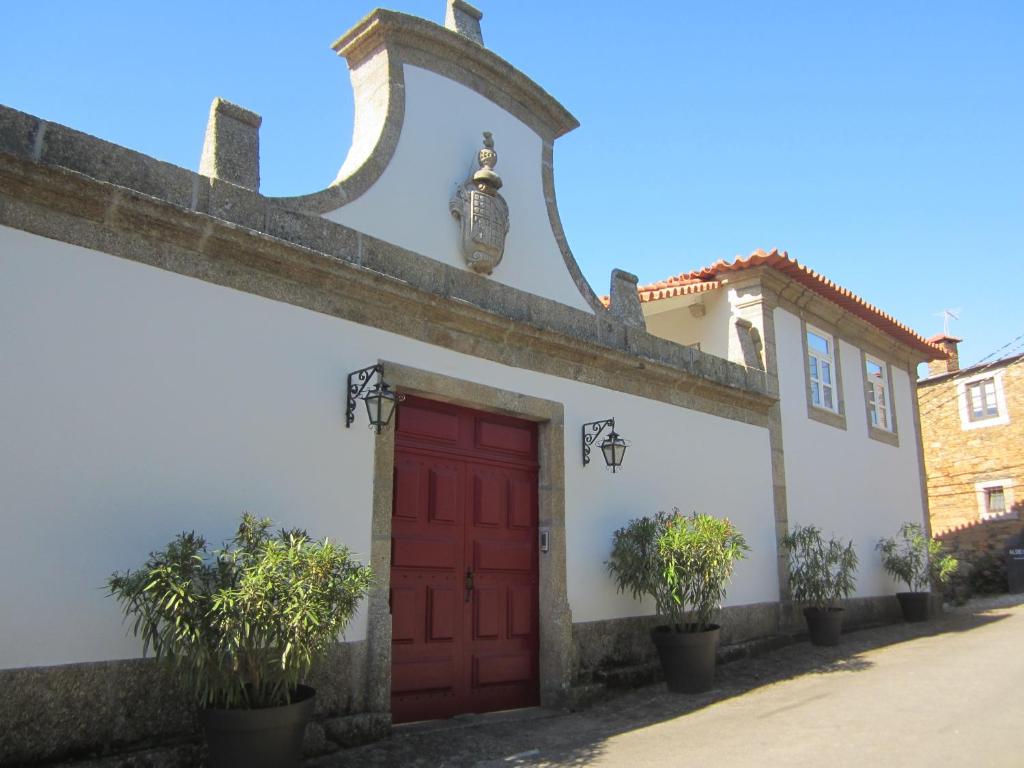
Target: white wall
<point x="436" y="153"/>
<point x="138" y="403"/>
<point x="842" y="480"/>
<point x="671" y="319"/>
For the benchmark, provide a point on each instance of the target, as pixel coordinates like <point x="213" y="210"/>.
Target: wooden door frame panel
<point x="554" y="618"/>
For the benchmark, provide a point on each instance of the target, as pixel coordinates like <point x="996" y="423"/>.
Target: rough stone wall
<point x="956" y="459"/>
<point x="129" y="713"/>
<point x="981" y="537"/>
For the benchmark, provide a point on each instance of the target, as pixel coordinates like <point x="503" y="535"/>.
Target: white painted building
<point x="175" y="349"/>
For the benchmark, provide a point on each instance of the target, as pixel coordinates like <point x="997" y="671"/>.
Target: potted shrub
<point x="917" y="561"/>
<point x="821" y="574"/>
<point x="240" y="627"/>
<point x="684" y="563"/>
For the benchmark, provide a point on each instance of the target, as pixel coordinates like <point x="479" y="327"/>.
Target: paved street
<point x="946" y="693"/>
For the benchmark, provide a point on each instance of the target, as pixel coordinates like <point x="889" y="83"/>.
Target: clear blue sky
<point x="881" y="143"/>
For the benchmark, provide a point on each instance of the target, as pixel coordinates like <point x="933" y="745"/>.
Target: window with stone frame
<point x="982" y="402"/>
<point x="995" y="499"/>
<point x="879" y="401"/>
<point x="981" y="399"/>
<point x="821" y="366"/>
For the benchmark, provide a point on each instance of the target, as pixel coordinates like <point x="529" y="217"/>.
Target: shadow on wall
<point x="981" y="549"/>
<point x="551" y="738"/>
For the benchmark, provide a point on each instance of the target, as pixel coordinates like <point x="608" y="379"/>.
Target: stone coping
<point x="52" y="177"/>
<point x="440" y="49"/>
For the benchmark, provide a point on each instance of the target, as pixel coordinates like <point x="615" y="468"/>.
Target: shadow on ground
<point x="548" y="738"/>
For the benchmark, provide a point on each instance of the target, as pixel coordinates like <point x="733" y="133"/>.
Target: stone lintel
<point x="231" y="149"/>
<point x="461" y="17"/>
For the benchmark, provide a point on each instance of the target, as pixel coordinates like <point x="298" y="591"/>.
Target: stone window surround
<point x="1007" y="485"/>
<point x="888" y="436"/>
<point x="555" y="619"/>
<point x="961" y="395"/>
<point x="835" y="418"/>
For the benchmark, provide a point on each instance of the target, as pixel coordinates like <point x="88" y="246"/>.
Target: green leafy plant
<point x="241" y="627"/>
<point x="915" y="559"/>
<point x="684" y="563"/>
<point x="821" y="573"/>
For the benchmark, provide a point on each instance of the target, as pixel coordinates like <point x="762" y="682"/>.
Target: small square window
<point x="995" y="501"/>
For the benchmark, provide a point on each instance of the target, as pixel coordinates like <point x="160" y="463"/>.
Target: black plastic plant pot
<point x="825" y="625"/>
<point x="914" y="605"/>
<point x="687" y="658"/>
<point x="258" y="738"/>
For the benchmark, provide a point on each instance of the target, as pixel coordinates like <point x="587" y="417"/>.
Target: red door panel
<point x="464" y="563"/>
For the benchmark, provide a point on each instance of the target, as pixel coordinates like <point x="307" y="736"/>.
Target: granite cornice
<point x="422" y="43"/>
<point x="311" y="262"/>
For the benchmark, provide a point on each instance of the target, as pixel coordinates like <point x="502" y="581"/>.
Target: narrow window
<point x="879" y="407"/>
<point x="821" y="365"/>
<point x="981" y="400"/>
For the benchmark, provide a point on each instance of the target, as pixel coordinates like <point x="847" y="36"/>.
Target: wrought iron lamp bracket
<point x="591" y="431"/>
<point x="358" y="383"/>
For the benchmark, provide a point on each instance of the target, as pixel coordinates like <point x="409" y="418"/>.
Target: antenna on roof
<point x="946" y="315"/>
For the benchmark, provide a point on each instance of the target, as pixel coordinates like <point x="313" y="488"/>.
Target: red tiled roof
<point x="713" y="276"/>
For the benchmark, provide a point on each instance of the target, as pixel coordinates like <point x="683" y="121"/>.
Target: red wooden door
<point x="463" y="562"/>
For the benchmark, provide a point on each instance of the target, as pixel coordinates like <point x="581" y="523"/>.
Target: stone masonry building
<point x="972" y="425"/>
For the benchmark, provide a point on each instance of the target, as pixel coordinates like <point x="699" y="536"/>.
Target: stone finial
<point x="463" y="18"/>
<point x="624" y="300"/>
<point x="231" y="149"/>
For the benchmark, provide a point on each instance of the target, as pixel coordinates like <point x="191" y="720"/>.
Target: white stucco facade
<point x="842" y="480"/>
<point x="139" y="403"/>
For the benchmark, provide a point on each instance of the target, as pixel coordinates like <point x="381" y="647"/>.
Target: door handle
<point x="469" y="583"/>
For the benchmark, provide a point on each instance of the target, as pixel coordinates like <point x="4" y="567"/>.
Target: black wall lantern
<point x="613" y="446"/>
<point x="380" y="399"/>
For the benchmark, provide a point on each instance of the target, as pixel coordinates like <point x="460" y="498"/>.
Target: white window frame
<point x="820" y="358"/>
<point x="981" y="490"/>
<point x="965" y="407"/>
<point x="873" y="389"/>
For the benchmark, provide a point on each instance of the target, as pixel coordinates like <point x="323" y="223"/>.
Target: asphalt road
<point x="947" y="693"/>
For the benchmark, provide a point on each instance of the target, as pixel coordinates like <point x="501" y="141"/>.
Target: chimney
<point x="951" y="363"/>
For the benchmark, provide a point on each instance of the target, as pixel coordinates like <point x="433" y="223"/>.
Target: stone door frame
<point x="555" y="618"/>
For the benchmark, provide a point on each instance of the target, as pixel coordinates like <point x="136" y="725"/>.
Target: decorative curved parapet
<point x="548" y="180"/>
<point x="376" y="49"/>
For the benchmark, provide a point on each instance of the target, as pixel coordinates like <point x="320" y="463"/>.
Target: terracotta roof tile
<point x="718" y="273"/>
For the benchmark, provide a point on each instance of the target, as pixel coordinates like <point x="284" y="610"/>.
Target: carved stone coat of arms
<point x="482" y="213"/>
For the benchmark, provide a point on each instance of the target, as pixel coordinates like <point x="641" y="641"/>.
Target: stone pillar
<point x="231" y="150"/>
<point x="951" y="363"/>
<point x="625" y="301"/>
<point x="461" y="17"/>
